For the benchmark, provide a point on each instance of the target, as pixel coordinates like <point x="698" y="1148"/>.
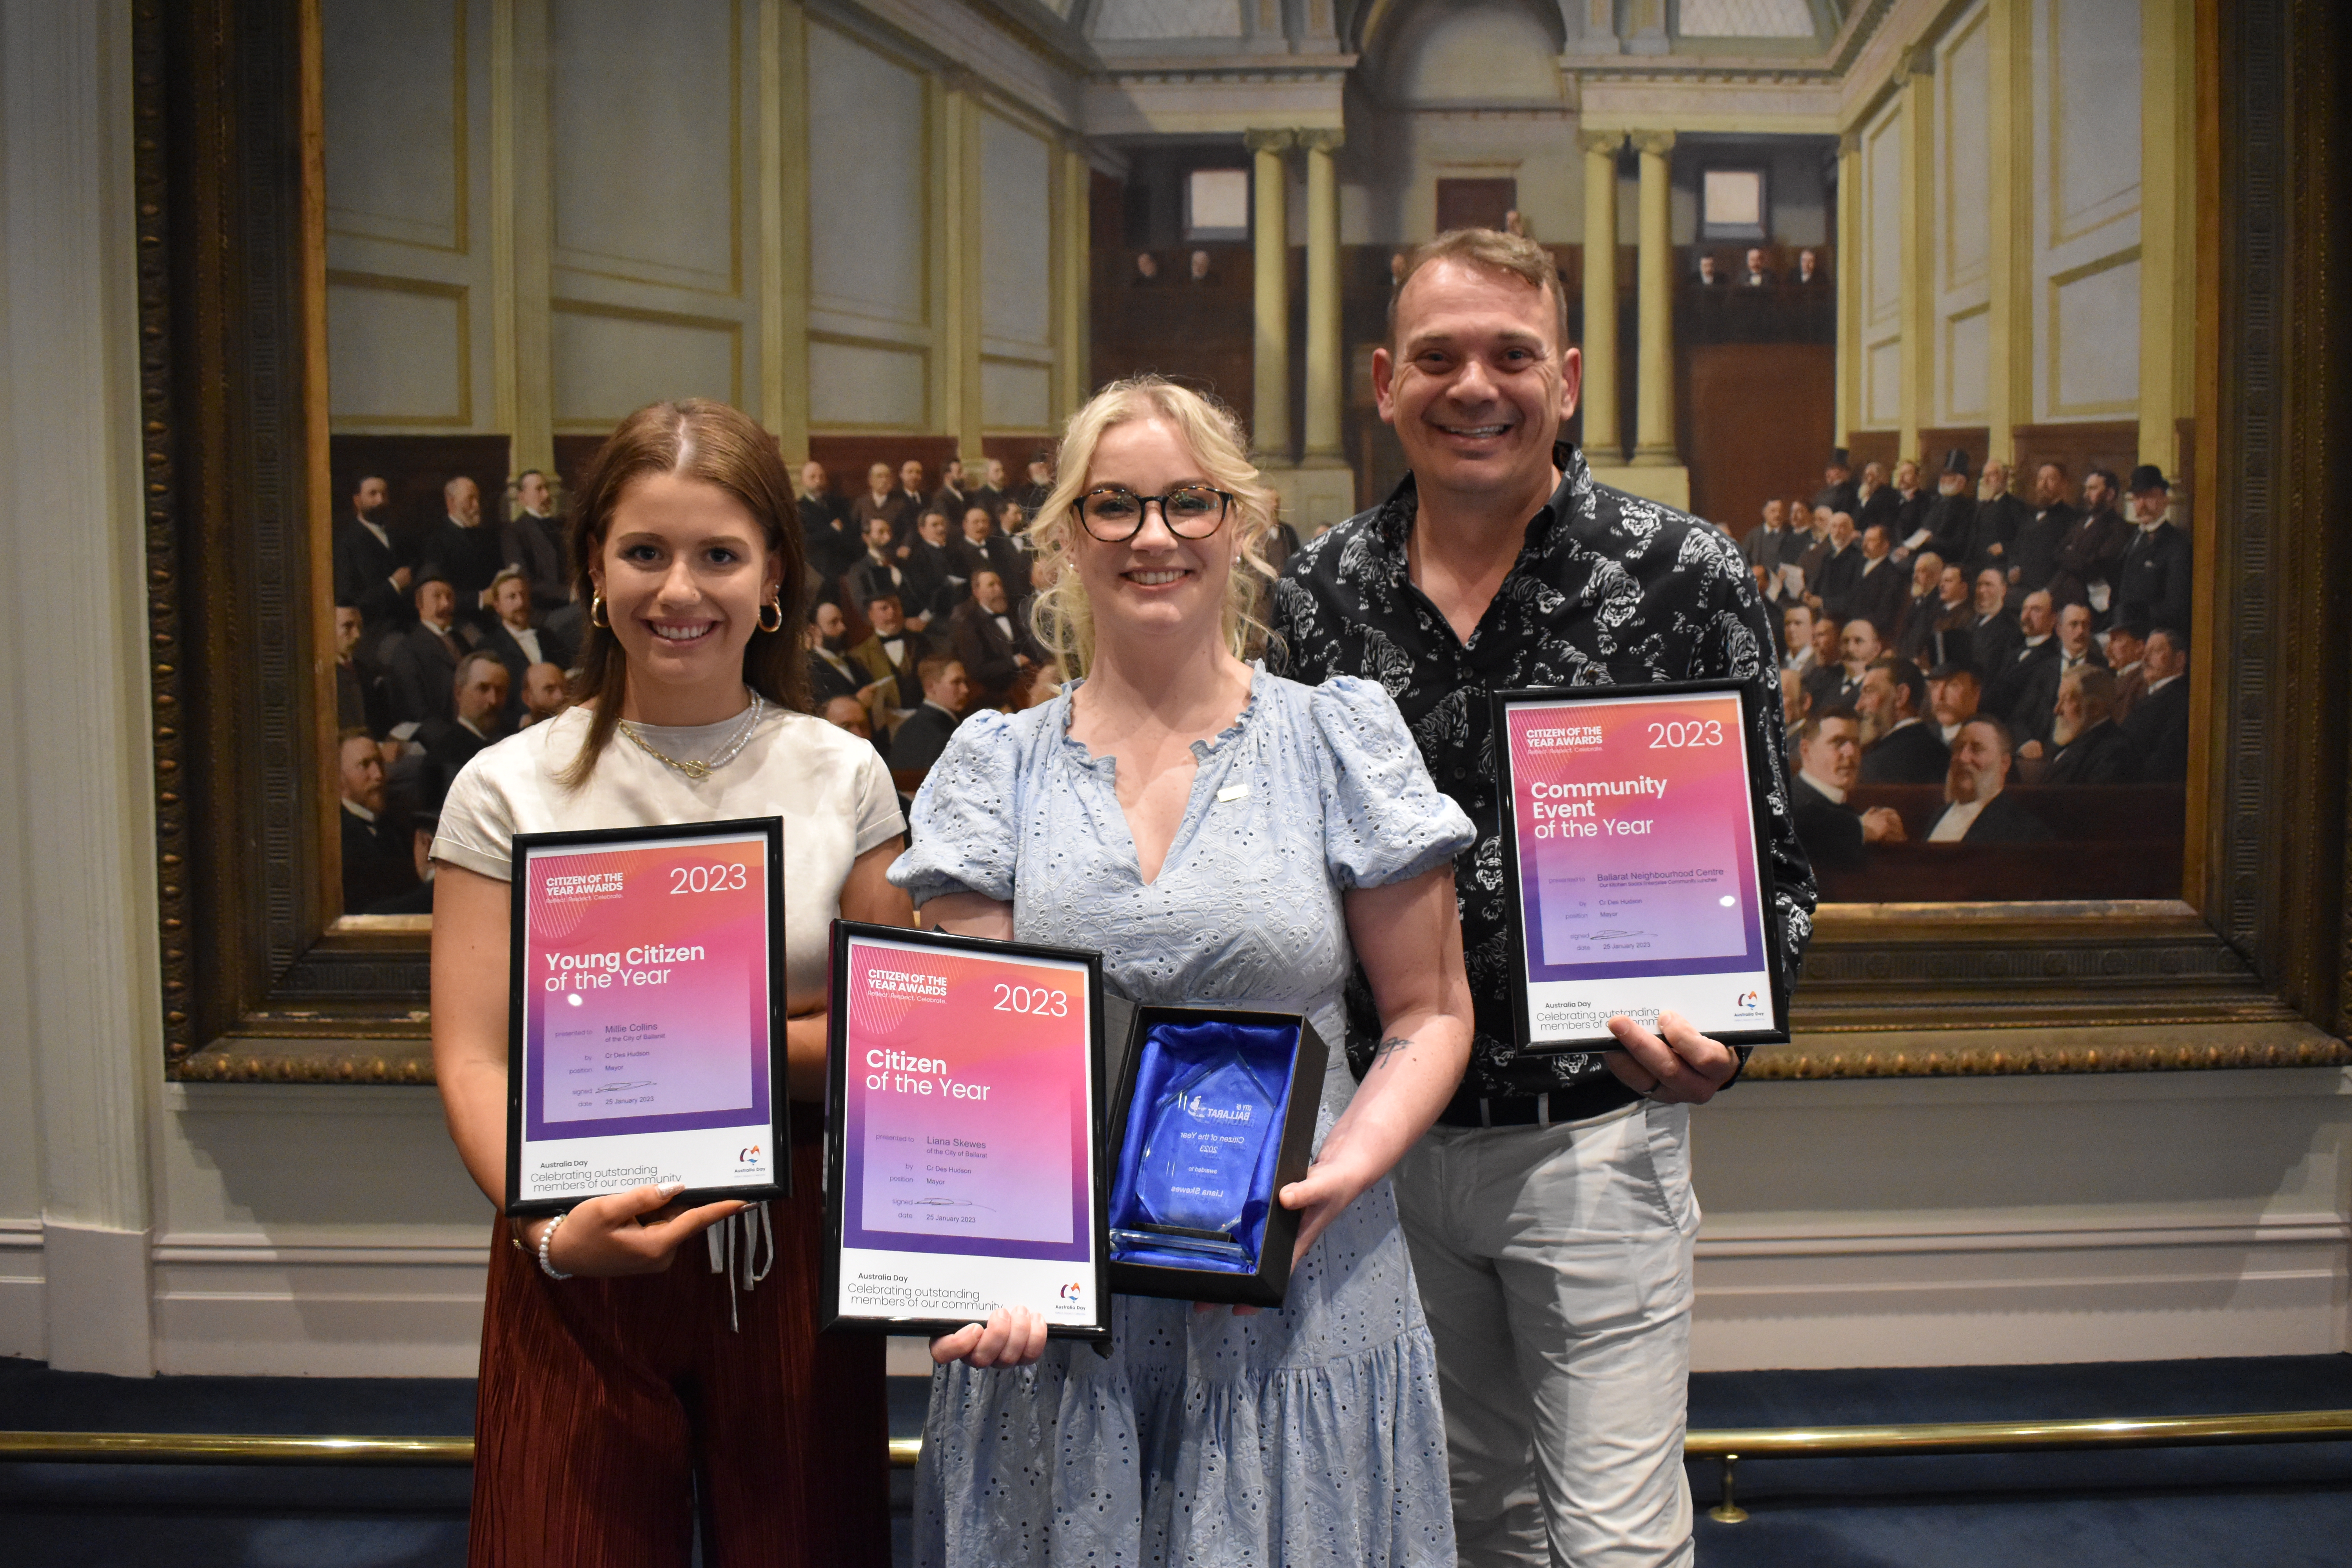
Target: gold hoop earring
<point x="777" y="604"/>
<point x="596" y="603"/>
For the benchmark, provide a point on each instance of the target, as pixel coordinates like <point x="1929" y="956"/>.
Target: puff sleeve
<point x="1383" y="820"/>
<point x="965" y="822"/>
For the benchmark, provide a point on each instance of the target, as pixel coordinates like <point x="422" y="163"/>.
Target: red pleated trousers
<point x="609" y="1410"/>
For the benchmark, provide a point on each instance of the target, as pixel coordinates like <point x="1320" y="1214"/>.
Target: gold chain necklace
<point x="727" y="753"/>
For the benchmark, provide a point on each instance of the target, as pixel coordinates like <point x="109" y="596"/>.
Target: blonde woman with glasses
<point x="1221" y="835"/>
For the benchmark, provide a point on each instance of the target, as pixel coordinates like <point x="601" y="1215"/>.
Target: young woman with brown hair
<point x="626" y="1384"/>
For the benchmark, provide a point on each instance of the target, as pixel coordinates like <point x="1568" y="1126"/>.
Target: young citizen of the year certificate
<point x="1631" y="825"/>
<point x="965" y="1086"/>
<point x="645" y="1045"/>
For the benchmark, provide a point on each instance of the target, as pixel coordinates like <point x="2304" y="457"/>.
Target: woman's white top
<point x="829" y="786"/>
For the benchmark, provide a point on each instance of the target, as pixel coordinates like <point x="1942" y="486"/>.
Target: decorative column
<point x="2168" y="227"/>
<point x="1849" y="255"/>
<point x="1270" y="383"/>
<point x="1602" y="440"/>
<point x="523" y="228"/>
<point x="1072" y="273"/>
<point x="1326" y="379"/>
<point x="783" y="227"/>
<point x="956" y="185"/>
<point x="2011" y="113"/>
<point x="1654" y="401"/>
<point x="1916" y="251"/>
<point x="81" y="1040"/>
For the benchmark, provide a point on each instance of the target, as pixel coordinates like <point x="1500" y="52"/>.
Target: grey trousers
<point x="1555" y="1267"/>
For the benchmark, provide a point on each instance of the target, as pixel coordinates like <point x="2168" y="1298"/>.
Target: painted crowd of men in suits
<point x="1971" y="638"/>
<point x="447" y="637"/>
<point x="920" y="616"/>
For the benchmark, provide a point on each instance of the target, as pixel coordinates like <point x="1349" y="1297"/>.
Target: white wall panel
<point x="1882" y="377"/>
<point x="1882" y="156"/>
<point x="869" y="179"/>
<point x="1015" y="234"/>
<point x="2093" y="124"/>
<point x="1963" y="213"/>
<point x="311" y="1230"/>
<point x="1949" y="1221"/>
<point x="1966" y="344"/>
<point x="2095" y="340"/>
<point x="410" y="337"/>
<point x="1016" y="396"/>
<point x="608" y="363"/>
<point x="855" y="385"/>
<point x="396" y="123"/>
<point x="645" y="125"/>
<point x="397" y="353"/>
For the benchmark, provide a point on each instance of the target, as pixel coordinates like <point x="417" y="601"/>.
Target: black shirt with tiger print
<point x="1608" y="589"/>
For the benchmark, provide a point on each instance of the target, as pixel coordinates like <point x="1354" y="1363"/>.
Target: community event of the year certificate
<point x="1632" y="827"/>
<point x="967" y="1082"/>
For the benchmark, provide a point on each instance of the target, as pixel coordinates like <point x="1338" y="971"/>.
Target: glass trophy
<point x="1200" y="1153"/>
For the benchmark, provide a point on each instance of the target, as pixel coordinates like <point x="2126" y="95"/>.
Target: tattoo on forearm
<point x="1389" y="1048"/>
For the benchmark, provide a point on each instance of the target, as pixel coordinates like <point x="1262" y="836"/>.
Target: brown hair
<point x="697" y="439"/>
<point x="1489" y="250"/>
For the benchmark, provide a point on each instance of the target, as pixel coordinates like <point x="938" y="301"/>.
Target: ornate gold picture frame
<point x="264" y="980"/>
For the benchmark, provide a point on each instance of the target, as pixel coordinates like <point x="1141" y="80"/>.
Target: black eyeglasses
<point x="1115" y="516"/>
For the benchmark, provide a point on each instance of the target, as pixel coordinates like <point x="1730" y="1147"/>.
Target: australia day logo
<point x="1748" y="1002"/>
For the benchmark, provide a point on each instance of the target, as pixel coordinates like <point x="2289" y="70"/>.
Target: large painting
<point x="1880" y="291"/>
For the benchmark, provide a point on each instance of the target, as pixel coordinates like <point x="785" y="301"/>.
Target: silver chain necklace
<point x="727" y="753"/>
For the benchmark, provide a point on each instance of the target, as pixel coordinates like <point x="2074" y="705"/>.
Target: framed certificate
<point x="963" y="1133"/>
<point x="1633" y="829"/>
<point x="646" y="1021"/>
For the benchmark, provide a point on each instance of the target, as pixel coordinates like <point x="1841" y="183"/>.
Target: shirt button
<point x="1460" y="773"/>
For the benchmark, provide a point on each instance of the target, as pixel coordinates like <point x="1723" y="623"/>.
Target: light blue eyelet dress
<point x="1309" y="1436"/>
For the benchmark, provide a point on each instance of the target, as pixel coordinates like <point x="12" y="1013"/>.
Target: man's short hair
<point x="467" y="661"/>
<point x="879" y="595"/>
<point x="1905" y="674"/>
<point x="506" y="575"/>
<point x="928" y="513"/>
<point x="1811" y="729"/>
<point x="932" y="667"/>
<point x="2106" y="476"/>
<point x="2177" y="636"/>
<point x="2097" y="684"/>
<point x="344" y="737"/>
<point x="1489" y="250"/>
<point x="1999" y="731"/>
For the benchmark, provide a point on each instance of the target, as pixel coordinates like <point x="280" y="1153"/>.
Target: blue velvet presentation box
<point x="1213" y="1114"/>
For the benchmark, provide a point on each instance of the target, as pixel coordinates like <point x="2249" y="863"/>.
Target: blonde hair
<point x="1061" y="613"/>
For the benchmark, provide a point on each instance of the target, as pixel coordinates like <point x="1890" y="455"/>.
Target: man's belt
<point x="1468" y="1110"/>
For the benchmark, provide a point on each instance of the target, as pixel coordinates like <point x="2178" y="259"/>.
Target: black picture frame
<point x="830" y="1317"/>
<point x="1758" y="770"/>
<point x="770" y="829"/>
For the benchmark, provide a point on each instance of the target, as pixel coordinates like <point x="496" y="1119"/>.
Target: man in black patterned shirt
<point x="1548" y="1212"/>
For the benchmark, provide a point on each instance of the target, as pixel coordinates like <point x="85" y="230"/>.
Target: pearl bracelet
<point x="549" y="1269"/>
